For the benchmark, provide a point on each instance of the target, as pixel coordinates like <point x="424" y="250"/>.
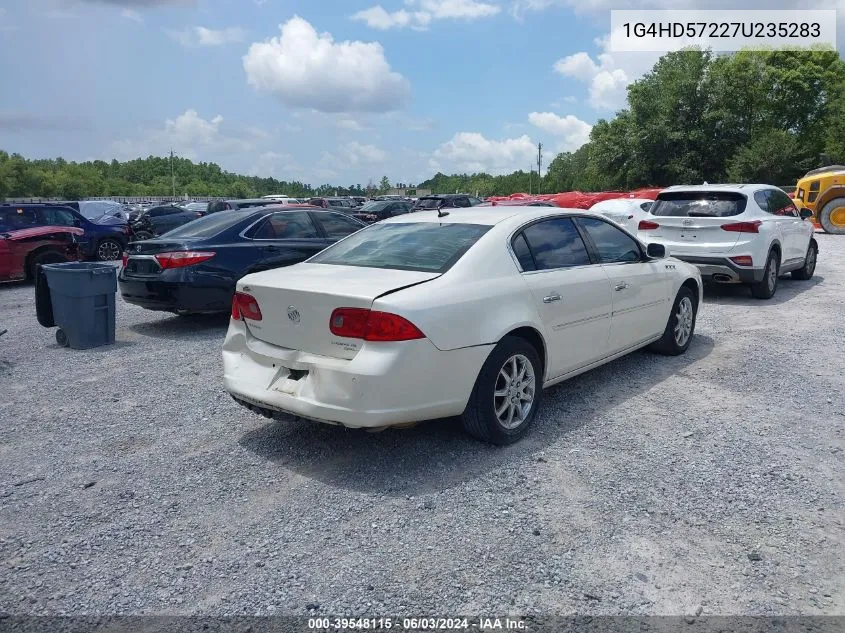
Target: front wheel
<point x="142" y="235"/>
<point x="806" y="271"/>
<point x="681" y="324"/>
<point x="832" y="217"/>
<point x="766" y="288"/>
<point x="506" y="395"/>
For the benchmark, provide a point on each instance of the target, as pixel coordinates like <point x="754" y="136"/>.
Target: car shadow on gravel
<point x="178" y="327"/>
<point x="740" y="294"/>
<point x="438" y="455"/>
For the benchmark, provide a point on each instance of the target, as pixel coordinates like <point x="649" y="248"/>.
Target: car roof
<point x="483" y="215"/>
<point x="24" y="205"/>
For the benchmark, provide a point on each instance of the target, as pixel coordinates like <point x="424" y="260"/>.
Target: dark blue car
<point x="194" y="268"/>
<point x="100" y="241"/>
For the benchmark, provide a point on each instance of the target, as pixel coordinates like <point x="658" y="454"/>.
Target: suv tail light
<point x="742" y="260"/>
<point x="647" y="225"/>
<point x="743" y="227"/>
<point x="372" y="325"/>
<point x="244" y="305"/>
<point x="180" y="259"/>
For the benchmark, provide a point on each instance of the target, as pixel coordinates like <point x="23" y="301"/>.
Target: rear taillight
<point x="742" y="260"/>
<point x="125" y="259"/>
<point x="372" y="325"/>
<point x="743" y="227"/>
<point x="179" y="259"/>
<point x="244" y="305"/>
<point x="647" y="225"/>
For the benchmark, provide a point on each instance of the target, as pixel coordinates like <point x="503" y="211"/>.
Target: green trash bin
<point x="82" y="295"/>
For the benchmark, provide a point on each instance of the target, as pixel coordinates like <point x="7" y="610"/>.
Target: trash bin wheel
<point x="61" y="338"/>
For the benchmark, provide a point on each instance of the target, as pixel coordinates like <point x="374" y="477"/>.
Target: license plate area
<point x="289" y="380"/>
<point x="142" y="267"/>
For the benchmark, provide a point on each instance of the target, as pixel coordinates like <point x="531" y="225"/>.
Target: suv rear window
<point x="698" y="204"/>
<point x="423" y="246"/>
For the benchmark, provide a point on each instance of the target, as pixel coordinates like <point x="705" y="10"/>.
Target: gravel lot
<point x="131" y="483"/>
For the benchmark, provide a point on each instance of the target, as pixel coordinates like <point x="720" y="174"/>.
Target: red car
<point x="22" y="250"/>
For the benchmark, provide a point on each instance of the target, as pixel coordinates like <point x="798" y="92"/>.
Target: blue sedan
<point x="194" y="268"/>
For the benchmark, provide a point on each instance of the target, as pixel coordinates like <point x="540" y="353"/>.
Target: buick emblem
<point x="293" y="314"/>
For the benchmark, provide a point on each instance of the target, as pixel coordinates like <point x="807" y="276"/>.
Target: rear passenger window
<point x="286" y="226"/>
<point x="12" y="218"/>
<point x="556" y="243"/>
<point x="523" y="253"/>
<point x="337" y="225"/>
<point x="612" y="244"/>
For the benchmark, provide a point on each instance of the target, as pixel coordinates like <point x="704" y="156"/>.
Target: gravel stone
<point x="191" y="489"/>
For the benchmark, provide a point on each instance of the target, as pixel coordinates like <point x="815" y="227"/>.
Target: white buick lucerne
<point x="465" y="312"/>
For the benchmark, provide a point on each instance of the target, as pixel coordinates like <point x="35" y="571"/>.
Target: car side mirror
<point x="656" y="251"/>
<point x="805" y="213"/>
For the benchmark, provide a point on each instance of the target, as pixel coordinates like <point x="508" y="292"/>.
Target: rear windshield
<point x="698" y="204"/>
<point x="423" y="246"/>
<point x="429" y="203"/>
<point x="210" y="224"/>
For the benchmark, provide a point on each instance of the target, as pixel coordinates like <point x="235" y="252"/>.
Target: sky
<point x="319" y="91"/>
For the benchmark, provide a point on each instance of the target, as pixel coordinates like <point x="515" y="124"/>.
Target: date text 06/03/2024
<point x="483" y="623"/>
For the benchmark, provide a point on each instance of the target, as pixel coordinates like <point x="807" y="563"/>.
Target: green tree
<point x="384" y="185"/>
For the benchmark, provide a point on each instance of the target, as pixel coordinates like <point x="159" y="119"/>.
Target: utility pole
<point x="172" y="176"/>
<point x="539" y="166"/>
<point x="530" y="177"/>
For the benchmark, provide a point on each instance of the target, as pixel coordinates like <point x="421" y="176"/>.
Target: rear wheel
<point x="832" y="216"/>
<point x="680" y="326"/>
<point x="809" y="267"/>
<point x="44" y="257"/>
<point x="507" y="393"/>
<point x="766" y="288"/>
<point x="109" y="250"/>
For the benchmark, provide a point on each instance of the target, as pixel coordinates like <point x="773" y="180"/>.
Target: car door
<point x="571" y="292"/>
<point x="337" y="225"/>
<point x="284" y="238"/>
<point x="794" y="228"/>
<point x="640" y="285"/>
<point x="56" y="216"/>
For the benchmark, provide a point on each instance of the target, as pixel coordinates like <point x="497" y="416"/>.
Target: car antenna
<point x="441" y="213"/>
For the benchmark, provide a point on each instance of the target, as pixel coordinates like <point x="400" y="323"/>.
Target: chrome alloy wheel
<point x="683" y="321"/>
<point x="513" y="395"/>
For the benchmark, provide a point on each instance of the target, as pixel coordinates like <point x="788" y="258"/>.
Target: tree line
<point x="751" y="116"/>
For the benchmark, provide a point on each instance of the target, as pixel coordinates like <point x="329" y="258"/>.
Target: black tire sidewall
<point x="669" y="341"/>
<point x="761" y="288"/>
<point x="104" y="241"/>
<point x="485" y="385"/>
<point x="824" y="216"/>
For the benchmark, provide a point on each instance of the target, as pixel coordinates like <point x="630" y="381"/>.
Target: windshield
<point x="698" y="204"/>
<point x="372" y="207"/>
<point x="429" y="203"/>
<point x="423" y="246"/>
<point x="209" y="225"/>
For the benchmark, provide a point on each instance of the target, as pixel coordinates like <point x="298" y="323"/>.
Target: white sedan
<point x="465" y="312"/>
<point x="626" y="212"/>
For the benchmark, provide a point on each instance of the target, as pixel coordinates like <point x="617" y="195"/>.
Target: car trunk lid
<point x="296" y="302"/>
<point x="141" y="260"/>
<point x="690" y="223"/>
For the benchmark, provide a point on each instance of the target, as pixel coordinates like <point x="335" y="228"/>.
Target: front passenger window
<point x="612" y="244"/>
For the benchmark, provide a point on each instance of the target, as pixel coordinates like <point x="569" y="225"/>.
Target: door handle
<point x="622" y="285"/>
<point x="552" y="297"/>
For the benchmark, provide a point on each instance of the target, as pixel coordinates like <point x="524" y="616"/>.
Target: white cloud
<point x="609" y="75"/>
<point x="132" y="15"/>
<point x="275" y="165"/>
<point x="310" y="70"/>
<point x="572" y="131"/>
<point x="194" y="36"/>
<point x="519" y="7"/>
<point x="191" y="136"/>
<point x="423" y="12"/>
<point x="471" y="152"/>
<point x="353" y="154"/>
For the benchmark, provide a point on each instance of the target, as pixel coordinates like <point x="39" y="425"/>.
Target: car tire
<point x="680" y="327"/>
<point x="108" y="250"/>
<point x="142" y="235"/>
<point x="480" y="417"/>
<point x="826" y="216"/>
<point x="767" y="288"/>
<point x="44" y="257"/>
<point x="806" y="271"/>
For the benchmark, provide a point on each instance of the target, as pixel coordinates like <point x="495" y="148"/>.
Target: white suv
<point x="748" y="234"/>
